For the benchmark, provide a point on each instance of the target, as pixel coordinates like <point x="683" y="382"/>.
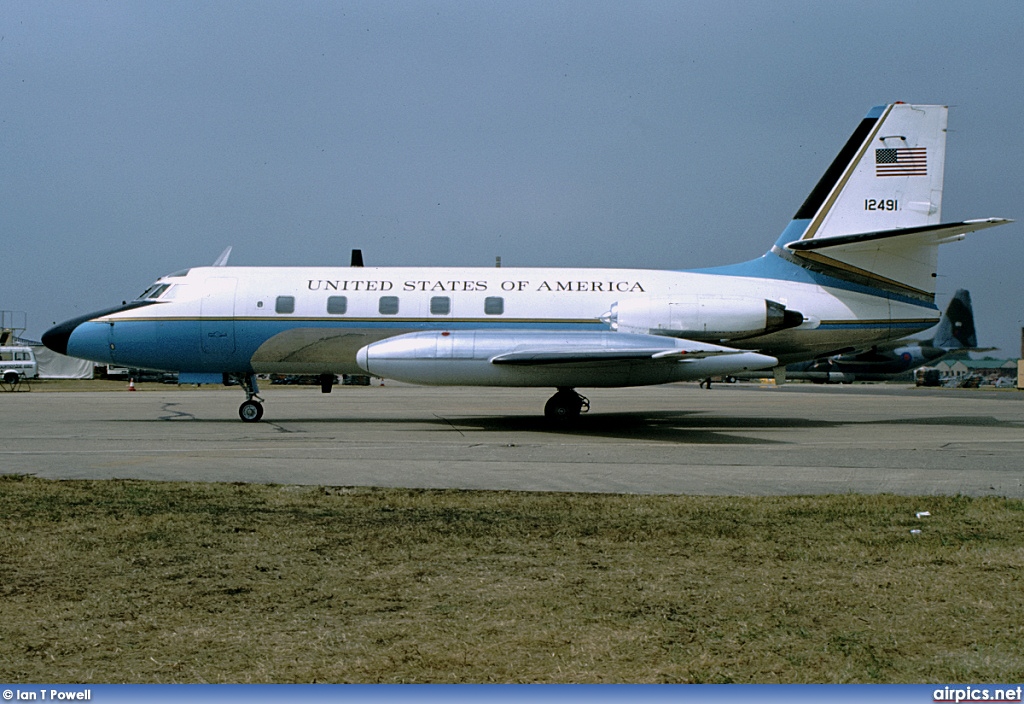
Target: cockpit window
<point x="154" y="291"/>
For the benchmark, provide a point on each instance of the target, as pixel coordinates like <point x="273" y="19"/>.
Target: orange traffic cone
<point x="131" y="384"/>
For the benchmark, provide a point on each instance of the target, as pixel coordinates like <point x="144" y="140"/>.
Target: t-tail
<point x="874" y="218"/>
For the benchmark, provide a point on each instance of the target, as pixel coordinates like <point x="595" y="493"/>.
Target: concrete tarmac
<point x="741" y="439"/>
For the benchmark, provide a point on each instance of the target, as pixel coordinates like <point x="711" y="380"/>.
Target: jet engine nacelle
<point x="703" y="317"/>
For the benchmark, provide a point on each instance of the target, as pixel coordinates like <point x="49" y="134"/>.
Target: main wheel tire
<point x="563" y="407"/>
<point x="11" y="378"/>
<point x="250" y="411"/>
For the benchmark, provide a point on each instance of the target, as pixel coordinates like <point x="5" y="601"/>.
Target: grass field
<point x="128" y="581"/>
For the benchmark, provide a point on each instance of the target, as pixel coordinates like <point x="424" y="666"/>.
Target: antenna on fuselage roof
<point x="357" y="257"/>
<point x="222" y="260"/>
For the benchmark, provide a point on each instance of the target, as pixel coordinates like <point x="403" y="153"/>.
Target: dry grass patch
<point x="129" y="581"/>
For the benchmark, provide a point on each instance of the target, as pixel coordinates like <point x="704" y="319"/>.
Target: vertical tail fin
<point x="888" y="177"/>
<point x="956" y="327"/>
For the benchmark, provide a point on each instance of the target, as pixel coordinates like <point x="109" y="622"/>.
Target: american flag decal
<point x="903" y="161"/>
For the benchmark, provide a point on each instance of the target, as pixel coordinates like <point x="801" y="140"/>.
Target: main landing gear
<point x="251" y="409"/>
<point x="566" y="405"/>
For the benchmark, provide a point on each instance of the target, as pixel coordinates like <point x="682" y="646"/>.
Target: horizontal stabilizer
<point x="938" y="234"/>
<point x="973" y="349"/>
<point x="900" y="260"/>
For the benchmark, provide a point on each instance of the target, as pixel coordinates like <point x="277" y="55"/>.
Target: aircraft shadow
<point x="960" y="421"/>
<point x="679" y="427"/>
<point x="659" y="426"/>
<point x="692" y="427"/>
<point x="683" y="427"/>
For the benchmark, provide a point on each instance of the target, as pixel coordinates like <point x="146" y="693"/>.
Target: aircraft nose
<point x="56" y="338"/>
<point x="93" y="344"/>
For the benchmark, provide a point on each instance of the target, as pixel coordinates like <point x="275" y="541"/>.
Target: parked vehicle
<point x="17" y="363"/>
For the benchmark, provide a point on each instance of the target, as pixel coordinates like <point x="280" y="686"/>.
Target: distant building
<point x="987" y="366"/>
<point x="979" y="372"/>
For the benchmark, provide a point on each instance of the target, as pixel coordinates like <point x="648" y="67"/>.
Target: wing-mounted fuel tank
<point x="705" y="317"/>
<point x="549" y="358"/>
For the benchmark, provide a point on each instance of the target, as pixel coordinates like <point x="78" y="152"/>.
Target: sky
<point x="141" y="138"/>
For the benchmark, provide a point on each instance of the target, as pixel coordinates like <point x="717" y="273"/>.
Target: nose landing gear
<point x="251" y="410"/>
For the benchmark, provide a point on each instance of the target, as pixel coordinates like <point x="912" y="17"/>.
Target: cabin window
<point x="388" y="305"/>
<point x="494" y="305"/>
<point x="440" y="305"/>
<point x="337" y="305"/>
<point x="285" y="304"/>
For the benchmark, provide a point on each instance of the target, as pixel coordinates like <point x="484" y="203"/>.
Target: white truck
<point x="17" y="363"/>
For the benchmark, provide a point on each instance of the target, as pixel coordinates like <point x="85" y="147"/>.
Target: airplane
<point x="855" y="267"/>
<point x="955" y="334"/>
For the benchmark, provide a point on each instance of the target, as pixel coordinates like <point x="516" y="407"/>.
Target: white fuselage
<point x="313" y="320"/>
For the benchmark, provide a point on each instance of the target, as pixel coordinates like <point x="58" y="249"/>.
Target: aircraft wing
<point x="550" y="356"/>
<point x="887" y="346"/>
<point x="891" y="345"/>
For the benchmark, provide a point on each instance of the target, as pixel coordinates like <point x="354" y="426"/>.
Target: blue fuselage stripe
<point x="228" y="345"/>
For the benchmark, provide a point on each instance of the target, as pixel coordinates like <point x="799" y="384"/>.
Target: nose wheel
<point x="251" y="410"/>
<point x="566" y="406"/>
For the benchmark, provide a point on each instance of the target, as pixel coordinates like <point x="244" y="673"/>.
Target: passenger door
<point x="216" y="317"/>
